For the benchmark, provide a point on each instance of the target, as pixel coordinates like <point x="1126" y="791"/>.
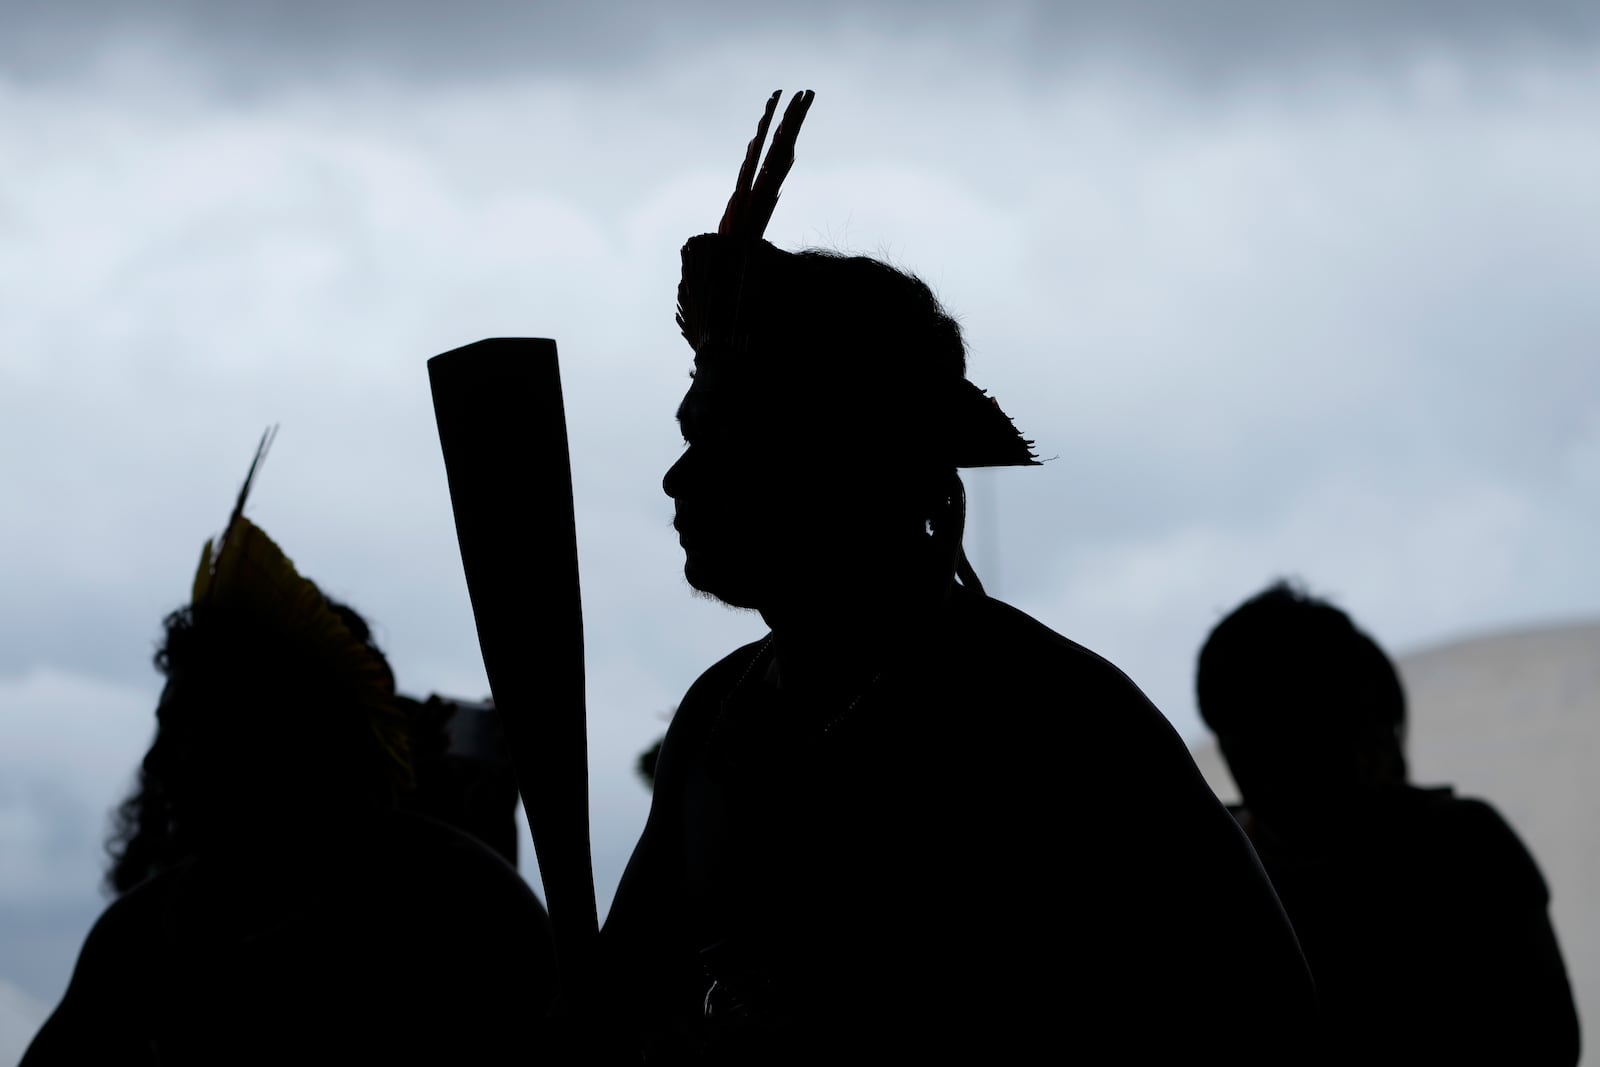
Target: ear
<point x="946" y="507"/>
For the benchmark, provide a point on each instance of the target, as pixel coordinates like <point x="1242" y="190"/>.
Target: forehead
<point x="721" y="400"/>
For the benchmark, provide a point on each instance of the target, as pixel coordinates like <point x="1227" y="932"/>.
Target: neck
<point x="833" y="645"/>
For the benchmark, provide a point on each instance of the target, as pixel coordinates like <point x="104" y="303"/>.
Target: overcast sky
<point x="1302" y="289"/>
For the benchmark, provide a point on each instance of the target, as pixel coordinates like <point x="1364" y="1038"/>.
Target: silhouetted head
<point x="259" y="735"/>
<point x="259" y="721"/>
<point x="813" y="453"/>
<point x="828" y="414"/>
<point x="1307" y="709"/>
<point x="279" y="718"/>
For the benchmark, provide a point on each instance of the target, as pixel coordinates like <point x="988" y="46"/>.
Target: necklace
<point x="828" y="724"/>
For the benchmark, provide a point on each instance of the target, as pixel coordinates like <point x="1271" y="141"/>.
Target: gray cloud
<point x="247" y="46"/>
<point x="1339" y="328"/>
<point x="20" y="1015"/>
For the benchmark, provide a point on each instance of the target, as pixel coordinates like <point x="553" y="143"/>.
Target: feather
<point x="780" y="158"/>
<point x="733" y="216"/>
<point x="209" y="555"/>
<point x="755" y="195"/>
<point x="269" y="435"/>
<point x="710" y="290"/>
<point x="981" y="435"/>
<point x="245" y="574"/>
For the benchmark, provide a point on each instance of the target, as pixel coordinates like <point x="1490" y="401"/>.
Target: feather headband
<point x="245" y="575"/>
<point x="737" y="296"/>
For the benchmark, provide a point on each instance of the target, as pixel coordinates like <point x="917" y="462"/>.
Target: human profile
<point x="911" y="821"/>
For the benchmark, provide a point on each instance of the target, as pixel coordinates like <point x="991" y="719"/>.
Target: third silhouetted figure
<point x="1423" y="916"/>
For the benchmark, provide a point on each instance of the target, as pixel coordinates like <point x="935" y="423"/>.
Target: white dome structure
<point x="1514" y="719"/>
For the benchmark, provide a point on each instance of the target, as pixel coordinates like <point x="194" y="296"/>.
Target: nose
<point x="672" y="483"/>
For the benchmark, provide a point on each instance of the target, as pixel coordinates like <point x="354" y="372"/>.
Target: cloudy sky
<point x="1285" y="289"/>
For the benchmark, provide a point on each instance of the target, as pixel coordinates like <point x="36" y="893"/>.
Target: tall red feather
<point x="733" y="216"/>
<point x="780" y="158"/>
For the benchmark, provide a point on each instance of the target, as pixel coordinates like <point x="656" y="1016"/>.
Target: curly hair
<point x="249" y="727"/>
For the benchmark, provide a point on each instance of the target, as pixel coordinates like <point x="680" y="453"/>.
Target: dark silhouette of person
<point x="911" y="823"/>
<point x="463" y="770"/>
<point x="274" y="904"/>
<point x="645" y="765"/>
<point x="1423" y="917"/>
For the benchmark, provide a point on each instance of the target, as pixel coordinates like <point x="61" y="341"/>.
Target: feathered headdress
<point x="244" y="575"/>
<point x="737" y="292"/>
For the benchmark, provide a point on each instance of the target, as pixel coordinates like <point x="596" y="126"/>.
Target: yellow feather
<point x="246" y="573"/>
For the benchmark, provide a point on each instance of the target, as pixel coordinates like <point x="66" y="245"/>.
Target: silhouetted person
<point x="463" y="771"/>
<point x="1424" y="918"/>
<point x="274" y="904"/>
<point x="645" y="765"/>
<point x="862" y="845"/>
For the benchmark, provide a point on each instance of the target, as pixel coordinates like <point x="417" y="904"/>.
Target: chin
<point x="724" y="588"/>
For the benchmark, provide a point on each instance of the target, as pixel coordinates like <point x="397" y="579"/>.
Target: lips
<point x="698" y="535"/>
<point x="686" y="530"/>
<point x="703" y="527"/>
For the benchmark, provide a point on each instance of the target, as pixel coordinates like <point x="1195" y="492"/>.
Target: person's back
<point x="403" y="941"/>
<point x="1423" y="917"/>
<point x="1427" y="930"/>
<point x="273" y="904"/>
